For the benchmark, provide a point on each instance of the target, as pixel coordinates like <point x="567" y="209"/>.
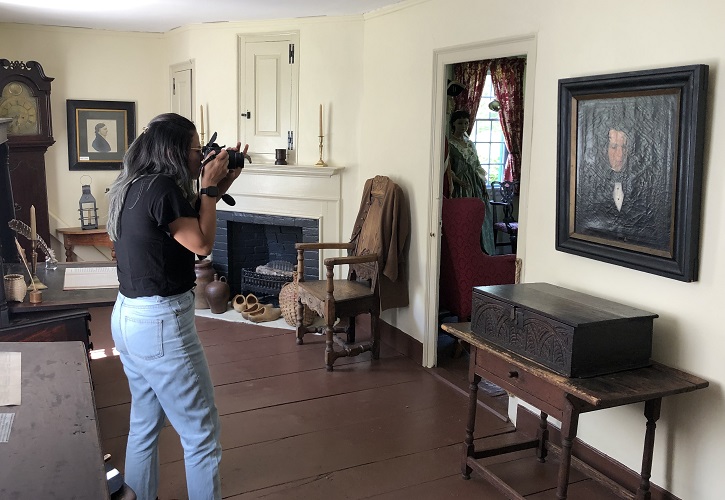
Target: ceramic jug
<point x="204" y="276"/>
<point x="217" y="294"/>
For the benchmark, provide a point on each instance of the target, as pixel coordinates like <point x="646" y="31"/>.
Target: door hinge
<point x="292" y="53"/>
<point x="290" y="140"/>
<point x="173" y="86"/>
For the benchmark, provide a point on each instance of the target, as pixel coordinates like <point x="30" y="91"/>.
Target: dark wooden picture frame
<point x="99" y="133"/>
<point x="630" y="162"/>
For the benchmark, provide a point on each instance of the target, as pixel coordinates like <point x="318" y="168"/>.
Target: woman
<point x="468" y="178"/>
<point x="156" y="231"/>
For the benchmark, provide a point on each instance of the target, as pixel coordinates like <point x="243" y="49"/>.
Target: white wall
<point x="106" y="65"/>
<point x="621" y="36"/>
<point x="330" y="74"/>
<point x="94" y="65"/>
<point x="376" y="78"/>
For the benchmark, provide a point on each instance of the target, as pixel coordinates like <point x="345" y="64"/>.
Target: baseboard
<point x="528" y="422"/>
<point x="392" y="336"/>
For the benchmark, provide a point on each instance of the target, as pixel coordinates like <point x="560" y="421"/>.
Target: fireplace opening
<point x="245" y="241"/>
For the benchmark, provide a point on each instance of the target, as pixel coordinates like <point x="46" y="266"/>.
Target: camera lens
<point x="236" y="159"/>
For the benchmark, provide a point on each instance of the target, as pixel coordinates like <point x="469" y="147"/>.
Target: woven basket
<point x="288" y="304"/>
<point x="15" y="287"/>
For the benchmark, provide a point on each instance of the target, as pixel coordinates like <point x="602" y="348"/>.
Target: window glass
<point x="488" y="136"/>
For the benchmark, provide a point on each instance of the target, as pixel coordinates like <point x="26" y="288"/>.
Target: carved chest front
<point x="571" y="333"/>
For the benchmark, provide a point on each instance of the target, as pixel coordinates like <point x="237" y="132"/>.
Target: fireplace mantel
<point x="294" y="191"/>
<point x="291" y="170"/>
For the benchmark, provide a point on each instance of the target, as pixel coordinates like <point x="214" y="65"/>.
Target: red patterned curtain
<point x="507" y="76"/>
<point x="472" y="75"/>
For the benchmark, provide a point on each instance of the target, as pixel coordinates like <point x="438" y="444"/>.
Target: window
<point x="488" y="136"/>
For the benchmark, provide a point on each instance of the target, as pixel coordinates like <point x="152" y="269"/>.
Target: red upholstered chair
<point x="463" y="264"/>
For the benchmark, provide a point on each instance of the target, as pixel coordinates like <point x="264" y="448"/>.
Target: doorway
<point x="444" y="60"/>
<point x="182" y="89"/>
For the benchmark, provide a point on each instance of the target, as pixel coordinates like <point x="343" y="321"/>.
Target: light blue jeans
<point x="168" y="376"/>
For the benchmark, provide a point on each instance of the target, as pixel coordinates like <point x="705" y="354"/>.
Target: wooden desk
<point x="73" y="236"/>
<point x="54" y="448"/>
<point x="564" y="399"/>
<point x="62" y="315"/>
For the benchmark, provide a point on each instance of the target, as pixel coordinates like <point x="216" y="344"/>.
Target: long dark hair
<point x="161" y="149"/>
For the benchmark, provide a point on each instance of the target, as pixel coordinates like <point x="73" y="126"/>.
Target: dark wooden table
<point x="55" y="298"/>
<point x="62" y="315"/>
<point x="564" y="399"/>
<point x="73" y="236"/>
<point x="54" y="447"/>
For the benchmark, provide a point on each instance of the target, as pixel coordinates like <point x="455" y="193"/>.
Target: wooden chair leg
<point x="301" y="329"/>
<point x="350" y="330"/>
<point x="375" y="335"/>
<point x="329" y="344"/>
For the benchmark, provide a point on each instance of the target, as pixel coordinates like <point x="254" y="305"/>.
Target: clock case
<point x="27" y="152"/>
<point x="31" y="74"/>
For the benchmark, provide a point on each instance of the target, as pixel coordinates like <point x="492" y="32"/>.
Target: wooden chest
<point x="571" y="333"/>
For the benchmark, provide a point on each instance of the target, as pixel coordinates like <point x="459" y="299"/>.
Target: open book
<point x="83" y="278"/>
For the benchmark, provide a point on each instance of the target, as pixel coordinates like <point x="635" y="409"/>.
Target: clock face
<point x="17" y="102"/>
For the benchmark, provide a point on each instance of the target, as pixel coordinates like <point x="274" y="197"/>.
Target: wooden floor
<point x="386" y="429"/>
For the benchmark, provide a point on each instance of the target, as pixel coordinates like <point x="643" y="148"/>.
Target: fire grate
<point x="259" y="283"/>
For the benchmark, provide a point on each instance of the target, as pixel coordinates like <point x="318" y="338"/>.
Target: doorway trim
<point x="174" y="68"/>
<point x="505" y="47"/>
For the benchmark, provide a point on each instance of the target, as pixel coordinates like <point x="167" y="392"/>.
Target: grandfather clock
<point x="25" y="98"/>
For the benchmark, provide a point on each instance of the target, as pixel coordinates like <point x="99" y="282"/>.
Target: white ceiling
<point x="165" y="15"/>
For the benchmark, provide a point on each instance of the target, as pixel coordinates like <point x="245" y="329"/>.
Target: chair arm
<point x="323" y="246"/>
<point x="351" y="259"/>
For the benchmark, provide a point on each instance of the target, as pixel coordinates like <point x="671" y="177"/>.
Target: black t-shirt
<point x="150" y="262"/>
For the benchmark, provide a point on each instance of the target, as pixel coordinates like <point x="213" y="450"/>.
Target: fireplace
<point x="276" y="207"/>
<point x="247" y="240"/>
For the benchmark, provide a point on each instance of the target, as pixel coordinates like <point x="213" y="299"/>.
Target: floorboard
<point x="383" y="429"/>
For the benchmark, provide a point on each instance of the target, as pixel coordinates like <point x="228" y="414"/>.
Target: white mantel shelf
<point x="292" y="190"/>
<point x="291" y="170"/>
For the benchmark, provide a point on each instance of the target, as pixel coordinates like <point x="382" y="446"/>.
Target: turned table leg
<point x="569" y="425"/>
<point x="68" y="251"/>
<point x="543" y="436"/>
<point x="652" y="414"/>
<point x="468" y="446"/>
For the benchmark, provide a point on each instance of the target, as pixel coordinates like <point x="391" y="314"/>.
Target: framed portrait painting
<point x="630" y="161"/>
<point x="99" y="133"/>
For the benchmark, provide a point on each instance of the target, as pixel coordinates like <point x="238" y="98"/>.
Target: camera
<point x="236" y="159"/>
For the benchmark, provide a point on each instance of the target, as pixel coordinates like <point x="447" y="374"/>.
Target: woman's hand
<point x="234" y="173"/>
<point x="213" y="172"/>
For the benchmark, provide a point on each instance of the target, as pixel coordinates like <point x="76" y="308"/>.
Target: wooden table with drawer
<point x="564" y="399"/>
<point x="73" y="236"/>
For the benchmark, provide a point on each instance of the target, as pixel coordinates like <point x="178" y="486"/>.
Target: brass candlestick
<point x="321" y="162"/>
<point x="34" y="266"/>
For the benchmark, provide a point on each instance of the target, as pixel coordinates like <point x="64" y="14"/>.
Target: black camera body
<point x="236" y="159"/>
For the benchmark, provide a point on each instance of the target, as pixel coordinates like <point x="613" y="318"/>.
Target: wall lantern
<point x="87" y="207"/>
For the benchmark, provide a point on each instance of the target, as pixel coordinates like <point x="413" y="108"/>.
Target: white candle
<point x="201" y="112"/>
<point x="320" y="119"/>
<point x="33" y="232"/>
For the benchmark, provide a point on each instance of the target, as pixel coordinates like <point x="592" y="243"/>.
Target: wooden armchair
<point x="376" y="278"/>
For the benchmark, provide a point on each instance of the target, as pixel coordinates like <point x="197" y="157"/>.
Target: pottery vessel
<point x="204" y="276"/>
<point x="217" y="294"/>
